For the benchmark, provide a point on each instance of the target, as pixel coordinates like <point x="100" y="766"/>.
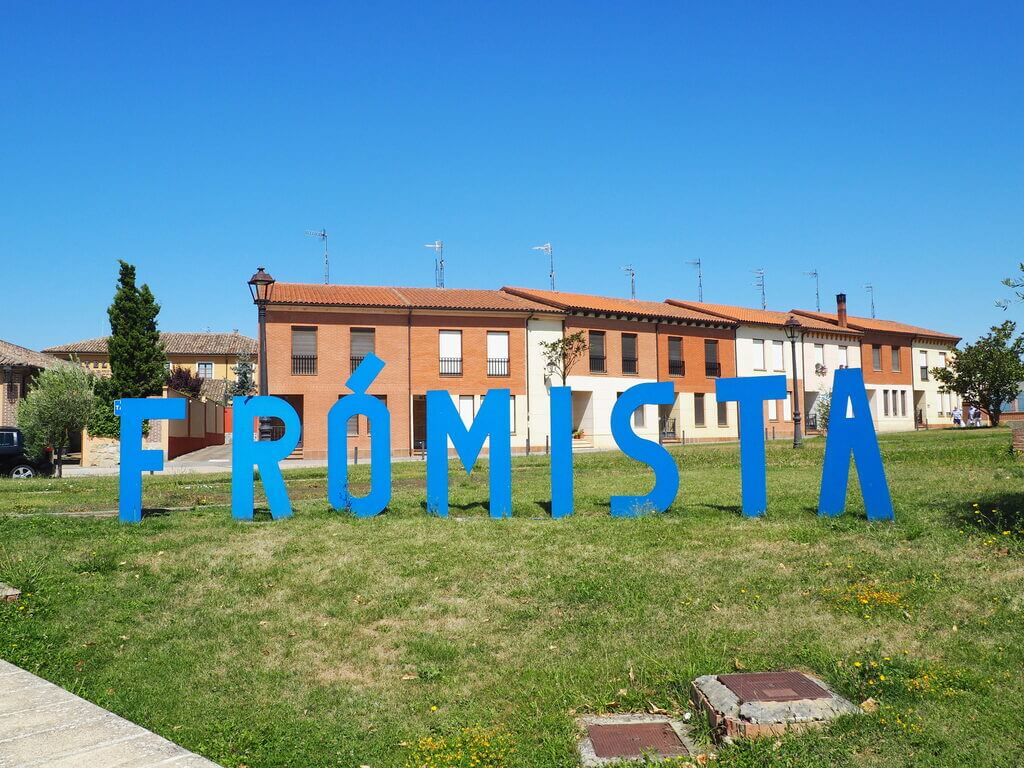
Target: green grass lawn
<point x="328" y="641"/>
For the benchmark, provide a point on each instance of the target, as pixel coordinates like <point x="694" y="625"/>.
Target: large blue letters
<point x="492" y="420"/>
<point x="267" y="455"/>
<point x="751" y="392"/>
<point x="348" y="407"/>
<point x="666" y="474"/>
<point x="134" y="460"/>
<point x="854" y="435"/>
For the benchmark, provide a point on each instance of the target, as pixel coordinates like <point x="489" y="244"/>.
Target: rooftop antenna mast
<point x="817" y="288"/>
<point x="871" y="292"/>
<point x="628" y="269"/>
<point x="700" y="278"/>
<point x="759" y="283"/>
<point x="322" y="234"/>
<point x="546" y="248"/>
<point x="438" y="247"/>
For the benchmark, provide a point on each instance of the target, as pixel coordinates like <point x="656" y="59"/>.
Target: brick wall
<point x="887" y="375"/>
<point x="396" y="334"/>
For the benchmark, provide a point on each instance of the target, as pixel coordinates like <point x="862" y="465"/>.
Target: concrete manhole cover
<point x="772" y="686"/>
<point x="610" y="739"/>
<point x="755" y="704"/>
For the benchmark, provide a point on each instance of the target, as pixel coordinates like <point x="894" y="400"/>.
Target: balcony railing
<point x="676" y="368"/>
<point x="629" y="365"/>
<point x="304" y="365"/>
<point x="597" y="364"/>
<point x="497" y="366"/>
<point x="712" y="370"/>
<point x="924" y="373"/>
<point x="355" y="361"/>
<point x="451" y="366"/>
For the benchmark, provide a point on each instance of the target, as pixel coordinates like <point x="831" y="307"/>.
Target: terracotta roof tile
<point x="174" y="344"/>
<point x="588" y="303"/>
<point x="883" y="326"/>
<point x="12" y="354"/>
<point x="386" y="297"/>
<point x="760" y="316"/>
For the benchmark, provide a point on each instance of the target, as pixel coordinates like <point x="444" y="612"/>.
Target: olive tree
<point x="57" y="406"/>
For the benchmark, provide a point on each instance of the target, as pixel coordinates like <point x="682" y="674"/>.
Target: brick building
<point x="18" y="366"/>
<point x="470" y="341"/>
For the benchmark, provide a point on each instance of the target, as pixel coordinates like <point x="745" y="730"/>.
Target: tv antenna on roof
<point x="817" y="289"/>
<point x="322" y="234"/>
<point x="438" y="247"/>
<point x="759" y="283"/>
<point x="546" y="248"/>
<point x="871" y="292"/>
<point x="628" y="269"/>
<point x="700" y="279"/>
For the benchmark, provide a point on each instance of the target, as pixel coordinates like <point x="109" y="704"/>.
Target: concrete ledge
<point x="41" y="724"/>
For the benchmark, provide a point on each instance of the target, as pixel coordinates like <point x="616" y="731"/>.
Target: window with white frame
<point x="497" y="353"/>
<point x="773" y="410"/>
<point x="778" y="356"/>
<point x="885" y="402"/>
<point x="760" y="364"/>
<point x="844" y="357"/>
<point x="450" y="352"/>
<point x="819" y="354"/>
<point x="786" y="407"/>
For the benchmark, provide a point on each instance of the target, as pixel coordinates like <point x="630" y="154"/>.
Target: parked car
<point x="13" y="460"/>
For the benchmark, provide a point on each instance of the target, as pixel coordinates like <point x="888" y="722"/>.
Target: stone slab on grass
<point x="730" y="718"/>
<point x="41" y="724"/>
<point x="8" y="593"/>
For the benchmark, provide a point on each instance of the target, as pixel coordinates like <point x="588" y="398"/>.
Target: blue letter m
<point x="492" y="421"/>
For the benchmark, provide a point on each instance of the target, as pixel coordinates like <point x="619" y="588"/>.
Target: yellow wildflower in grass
<point x="474" y="747"/>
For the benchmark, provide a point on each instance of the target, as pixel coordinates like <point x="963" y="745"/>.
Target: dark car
<point x="13" y="460"/>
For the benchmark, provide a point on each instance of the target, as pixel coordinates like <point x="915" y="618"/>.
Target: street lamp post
<point x="261" y="286"/>
<point x="793" y="329"/>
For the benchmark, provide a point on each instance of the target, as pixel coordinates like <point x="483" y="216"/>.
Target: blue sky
<point x="876" y="143"/>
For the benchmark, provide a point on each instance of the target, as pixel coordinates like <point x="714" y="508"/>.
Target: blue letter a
<point x="854" y="435"/>
<point x="492" y="421"/>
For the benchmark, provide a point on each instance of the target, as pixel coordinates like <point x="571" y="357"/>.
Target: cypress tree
<point x="136" y="353"/>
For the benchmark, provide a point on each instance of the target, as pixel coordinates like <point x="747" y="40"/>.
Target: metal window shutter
<point x="362" y="341"/>
<point x="628" y="345"/>
<point x="304" y="341"/>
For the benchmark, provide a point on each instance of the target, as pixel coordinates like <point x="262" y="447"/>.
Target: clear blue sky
<point x="877" y="144"/>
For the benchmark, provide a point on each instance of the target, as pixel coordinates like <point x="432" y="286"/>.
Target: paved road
<point x="44" y="726"/>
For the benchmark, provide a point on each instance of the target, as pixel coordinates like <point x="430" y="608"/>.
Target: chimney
<point x="841" y="309"/>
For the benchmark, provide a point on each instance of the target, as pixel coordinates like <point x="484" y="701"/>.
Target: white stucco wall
<point x="537" y="330"/>
<point x="599" y="393"/>
<point x="936" y="406"/>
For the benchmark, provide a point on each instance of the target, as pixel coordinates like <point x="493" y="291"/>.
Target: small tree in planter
<point x="58" y="405"/>
<point x="561" y="354"/>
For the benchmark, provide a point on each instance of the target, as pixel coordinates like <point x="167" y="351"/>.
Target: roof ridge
<point x="401" y="296"/>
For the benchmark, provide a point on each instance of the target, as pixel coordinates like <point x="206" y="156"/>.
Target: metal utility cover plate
<point x="772" y="686"/>
<point x="635" y="739"/>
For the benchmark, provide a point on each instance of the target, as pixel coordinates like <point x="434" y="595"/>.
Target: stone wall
<point x="100" y="451"/>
